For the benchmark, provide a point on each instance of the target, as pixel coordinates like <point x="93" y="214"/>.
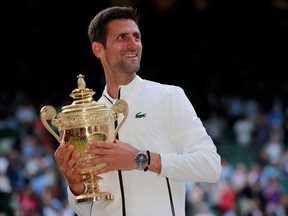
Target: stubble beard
<point x="129" y="68"/>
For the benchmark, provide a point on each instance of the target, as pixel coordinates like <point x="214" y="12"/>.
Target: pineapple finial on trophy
<point x="82" y="94"/>
<point x="81" y="82"/>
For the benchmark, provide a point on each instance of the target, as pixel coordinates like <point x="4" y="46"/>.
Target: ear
<point x="97" y="49"/>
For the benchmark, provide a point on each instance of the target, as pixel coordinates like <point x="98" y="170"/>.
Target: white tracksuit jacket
<point x="169" y="126"/>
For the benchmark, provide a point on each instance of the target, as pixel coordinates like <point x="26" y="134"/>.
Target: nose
<point x="132" y="42"/>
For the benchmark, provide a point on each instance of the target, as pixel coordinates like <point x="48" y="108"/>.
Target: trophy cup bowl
<point x="82" y="121"/>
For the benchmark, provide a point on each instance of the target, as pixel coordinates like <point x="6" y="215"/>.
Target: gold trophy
<point x="82" y="121"/>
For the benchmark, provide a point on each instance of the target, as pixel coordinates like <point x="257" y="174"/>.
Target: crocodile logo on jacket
<point x="140" y="115"/>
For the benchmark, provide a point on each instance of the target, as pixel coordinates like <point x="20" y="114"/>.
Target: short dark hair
<point x="97" y="30"/>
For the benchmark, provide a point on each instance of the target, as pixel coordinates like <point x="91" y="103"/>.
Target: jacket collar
<point x="125" y="90"/>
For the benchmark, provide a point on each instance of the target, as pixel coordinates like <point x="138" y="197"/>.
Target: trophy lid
<point x="83" y="98"/>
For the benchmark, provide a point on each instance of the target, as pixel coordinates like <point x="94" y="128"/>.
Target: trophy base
<point x="92" y="197"/>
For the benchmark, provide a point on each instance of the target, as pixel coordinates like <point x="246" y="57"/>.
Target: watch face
<point x="141" y="159"/>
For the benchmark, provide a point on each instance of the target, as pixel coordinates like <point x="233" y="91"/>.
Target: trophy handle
<point x="120" y="106"/>
<point x="48" y="113"/>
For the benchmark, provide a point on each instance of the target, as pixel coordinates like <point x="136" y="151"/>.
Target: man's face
<point x="123" y="46"/>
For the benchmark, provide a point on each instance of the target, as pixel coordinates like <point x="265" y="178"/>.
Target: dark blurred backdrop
<point x="223" y="46"/>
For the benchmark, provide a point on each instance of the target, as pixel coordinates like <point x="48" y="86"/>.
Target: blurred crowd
<point x="247" y="188"/>
<point x="30" y="183"/>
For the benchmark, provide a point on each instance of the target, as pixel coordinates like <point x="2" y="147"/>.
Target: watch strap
<point x="149" y="159"/>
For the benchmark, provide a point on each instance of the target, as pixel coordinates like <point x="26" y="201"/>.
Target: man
<point x="162" y="128"/>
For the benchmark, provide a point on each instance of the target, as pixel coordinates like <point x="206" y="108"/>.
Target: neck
<point x="114" y="82"/>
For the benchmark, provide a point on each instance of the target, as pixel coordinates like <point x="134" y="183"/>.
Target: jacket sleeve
<point x="195" y="157"/>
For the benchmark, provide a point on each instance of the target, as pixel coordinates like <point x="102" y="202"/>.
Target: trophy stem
<point x="93" y="192"/>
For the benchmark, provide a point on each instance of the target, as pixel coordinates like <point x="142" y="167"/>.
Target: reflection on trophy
<point x="80" y="122"/>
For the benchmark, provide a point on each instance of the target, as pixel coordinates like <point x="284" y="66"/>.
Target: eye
<point x="121" y="37"/>
<point x="137" y="37"/>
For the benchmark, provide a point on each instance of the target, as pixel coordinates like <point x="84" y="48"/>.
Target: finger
<point x="74" y="162"/>
<point x="99" y="161"/>
<point x="101" y="144"/>
<point x="95" y="151"/>
<point x="59" y="150"/>
<point x="108" y="167"/>
<point x="67" y="152"/>
<point x="78" y="163"/>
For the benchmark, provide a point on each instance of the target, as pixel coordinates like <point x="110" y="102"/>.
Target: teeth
<point x="130" y="55"/>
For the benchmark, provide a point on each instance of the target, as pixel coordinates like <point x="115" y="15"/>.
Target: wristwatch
<point x="141" y="160"/>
